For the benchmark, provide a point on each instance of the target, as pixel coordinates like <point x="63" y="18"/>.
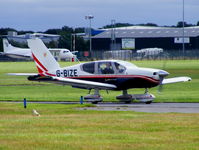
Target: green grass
<point x="18" y="87"/>
<point x="65" y="127"/>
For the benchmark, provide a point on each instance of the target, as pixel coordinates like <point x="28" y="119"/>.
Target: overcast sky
<point x="40" y="15"/>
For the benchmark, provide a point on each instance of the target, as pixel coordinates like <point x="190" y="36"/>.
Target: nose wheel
<point x="146" y="91"/>
<point x="145" y="98"/>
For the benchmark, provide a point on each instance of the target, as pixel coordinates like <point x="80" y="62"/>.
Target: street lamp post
<point x="73" y="40"/>
<point x="183" y="45"/>
<point x="113" y="39"/>
<point x="89" y="17"/>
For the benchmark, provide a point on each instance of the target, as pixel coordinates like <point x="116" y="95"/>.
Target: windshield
<point x="126" y="64"/>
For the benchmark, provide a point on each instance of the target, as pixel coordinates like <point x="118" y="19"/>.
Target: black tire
<point x="95" y="102"/>
<point x="127" y="102"/>
<point x="149" y="102"/>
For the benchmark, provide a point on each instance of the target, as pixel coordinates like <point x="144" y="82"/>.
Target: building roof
<point x="149" y="32"/>
<point x="30" y="35"/>
<point x="138" y="27"/>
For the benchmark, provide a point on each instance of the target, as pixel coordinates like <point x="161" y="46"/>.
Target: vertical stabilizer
<point x="44" y="60"/>
<point x="7" y="46"/>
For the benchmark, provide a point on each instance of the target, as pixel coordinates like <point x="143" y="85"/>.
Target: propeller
<point x="162" y="74"/>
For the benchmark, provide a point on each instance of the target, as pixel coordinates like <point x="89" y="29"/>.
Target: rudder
<point x="7" y="46"/>
<point x="44" y="60"/>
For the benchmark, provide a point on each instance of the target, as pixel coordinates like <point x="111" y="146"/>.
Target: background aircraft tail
<point x="7" y="46"/>
<point x="44" y="60"/>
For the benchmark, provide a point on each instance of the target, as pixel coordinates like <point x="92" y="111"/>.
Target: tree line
<point x="66" y="34"/>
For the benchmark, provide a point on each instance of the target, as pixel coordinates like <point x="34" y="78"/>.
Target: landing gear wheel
<point x="149" y="102"/>
<point x="94" y="98"/>
<point x="125" y="97"/>
<point x="127" y="102"/>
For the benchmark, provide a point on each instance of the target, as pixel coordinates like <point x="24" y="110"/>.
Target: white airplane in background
<point x="25" y="53"/>
<point x="98" y="75"/>
<point x="150" y="51"/>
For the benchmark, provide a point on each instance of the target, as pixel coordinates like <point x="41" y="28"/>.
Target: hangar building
<point x="137" y="37"/>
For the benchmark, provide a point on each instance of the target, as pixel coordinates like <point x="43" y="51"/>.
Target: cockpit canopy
<point x="65" y="51"/>
<point x="106" y="67"/>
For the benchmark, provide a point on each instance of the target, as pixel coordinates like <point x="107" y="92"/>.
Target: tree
<point x="180" y="24"/>
<point x="81" y="44"/>
<point x="148" y="24"/>
<point x="118" y="25"/>
<point x="53" y="31"/>
<point x="24" y="32"/>
<point x="52" y="44"/>
<point x="67" y="29"/>
<point x="4" y="31"/>
<point x="65" y="40"/>
<point x="197" y="23"/>
<point x="79" y="30"/>
<point x="1" y="45"/>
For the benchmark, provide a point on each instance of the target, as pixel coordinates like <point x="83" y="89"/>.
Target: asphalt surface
<point x="137" y="107"/>
<point x="153" y="107"/>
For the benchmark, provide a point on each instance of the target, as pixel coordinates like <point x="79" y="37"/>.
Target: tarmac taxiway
<point x="137" y="107"/>
<point x="151" y="108"/>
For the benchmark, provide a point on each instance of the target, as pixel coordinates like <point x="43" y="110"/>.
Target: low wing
<point x="73" y="82"/>
<point x="83" y="84"/>
<point x="176" y="79"/>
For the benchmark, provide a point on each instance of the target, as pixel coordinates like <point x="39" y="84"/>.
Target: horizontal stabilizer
<point x="22" y="74"/>
<point x="176" y="79"/>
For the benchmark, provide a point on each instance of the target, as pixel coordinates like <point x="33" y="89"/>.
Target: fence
<point x="132" y="55"/>
<point x="128" y="55"/>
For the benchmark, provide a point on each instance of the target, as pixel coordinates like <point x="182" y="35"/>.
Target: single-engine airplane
<point x="25" y="53"/>
<point x="98" y="75"/>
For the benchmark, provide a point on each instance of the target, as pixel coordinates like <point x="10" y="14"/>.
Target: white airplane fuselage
<point x="130" y="76"/>
<point x="25" y="53"/>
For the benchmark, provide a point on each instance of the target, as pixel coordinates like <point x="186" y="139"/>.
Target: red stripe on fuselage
<point x="110" y="76"/>
<point x="116" y="76"/>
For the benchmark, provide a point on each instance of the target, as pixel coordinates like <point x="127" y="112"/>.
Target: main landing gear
<point x="94" y="98"/>
<point x="127" y="98"/>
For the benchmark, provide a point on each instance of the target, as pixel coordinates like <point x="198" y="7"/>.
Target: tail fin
<point x="44" y="60"/>
<point x="7" y="46"/>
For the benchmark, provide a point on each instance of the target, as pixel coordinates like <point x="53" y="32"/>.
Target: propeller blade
<point x="162" y="74"/>
<point x="160" y="87"/>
